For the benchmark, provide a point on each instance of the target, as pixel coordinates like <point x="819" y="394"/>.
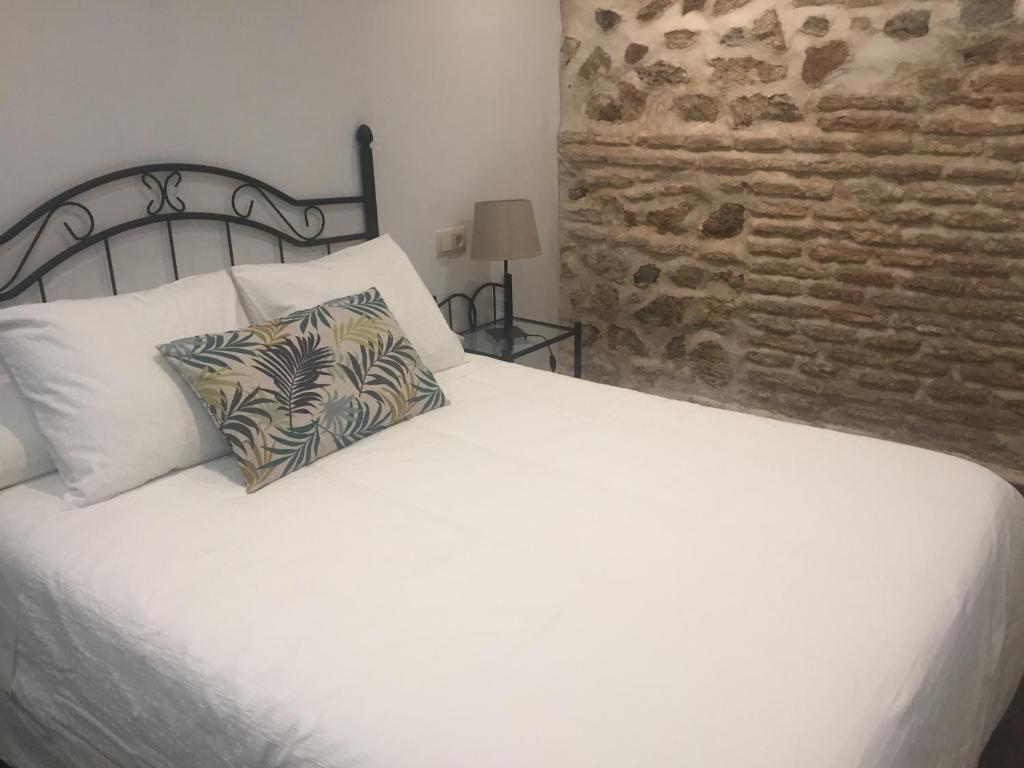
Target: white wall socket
<point x="451" y="241"/>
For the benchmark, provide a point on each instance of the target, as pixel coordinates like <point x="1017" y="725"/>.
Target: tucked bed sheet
<point x="548" y="573"/>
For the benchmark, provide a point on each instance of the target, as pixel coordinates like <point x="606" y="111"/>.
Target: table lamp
<point x="505" y="230"/>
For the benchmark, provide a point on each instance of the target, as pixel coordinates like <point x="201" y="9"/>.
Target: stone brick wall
<point x="808" y="208"/>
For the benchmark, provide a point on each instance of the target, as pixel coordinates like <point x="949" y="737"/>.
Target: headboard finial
<point x="364" y="135"/>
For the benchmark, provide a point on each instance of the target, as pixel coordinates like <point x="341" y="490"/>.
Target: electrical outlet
<point x="451" y="241"/>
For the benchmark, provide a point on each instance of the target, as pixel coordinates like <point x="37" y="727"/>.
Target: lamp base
<point x="499" y="334"/>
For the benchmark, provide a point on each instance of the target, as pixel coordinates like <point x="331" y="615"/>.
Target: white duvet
<point x="546" y="574"/>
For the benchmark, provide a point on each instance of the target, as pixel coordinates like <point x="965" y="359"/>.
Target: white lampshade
<point x="505" y="230"/>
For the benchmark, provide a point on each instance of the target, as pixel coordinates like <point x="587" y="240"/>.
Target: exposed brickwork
<point x="761" y="215"/>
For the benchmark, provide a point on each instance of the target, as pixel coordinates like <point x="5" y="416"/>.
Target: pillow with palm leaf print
<point x="290" y="391"/>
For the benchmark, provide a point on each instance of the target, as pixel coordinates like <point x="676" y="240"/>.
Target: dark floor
<point x="1006" y="748"/>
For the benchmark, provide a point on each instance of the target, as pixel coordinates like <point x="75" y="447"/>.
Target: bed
<point x="548" y="572"/>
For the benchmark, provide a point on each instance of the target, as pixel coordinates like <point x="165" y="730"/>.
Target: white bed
<point x="548" y="573"/>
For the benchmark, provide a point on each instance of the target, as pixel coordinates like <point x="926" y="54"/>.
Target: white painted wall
<point x="462" y="96"/>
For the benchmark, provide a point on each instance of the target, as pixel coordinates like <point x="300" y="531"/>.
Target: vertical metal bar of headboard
<point x="231" y="248"/>
<point x="110" y="266"/>
<point x="174" y="253"/>
<point x="42" y="290"/>
<point x="280" y="249"/>
<point x="365" y="138"/>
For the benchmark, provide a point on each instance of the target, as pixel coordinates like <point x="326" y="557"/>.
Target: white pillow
<point x="111" y="409"/>
<point x="23" y="451"/>
<point x="270" y="291"/>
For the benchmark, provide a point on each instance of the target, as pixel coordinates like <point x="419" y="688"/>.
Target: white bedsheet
<point x="548" y="573"/>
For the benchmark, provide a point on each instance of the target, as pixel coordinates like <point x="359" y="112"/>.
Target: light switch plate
<point x="451" y="241"/>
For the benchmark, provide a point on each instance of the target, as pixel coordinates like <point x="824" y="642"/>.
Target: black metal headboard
<point x="251" y="203"/>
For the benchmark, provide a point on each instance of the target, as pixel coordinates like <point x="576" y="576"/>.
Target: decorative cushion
<point x="113" y="414"/>
<point x="273" y="290"/>
<point x="288" y="392"/>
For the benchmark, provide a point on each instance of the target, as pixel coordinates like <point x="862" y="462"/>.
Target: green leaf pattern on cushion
<point x="290" y="391"/>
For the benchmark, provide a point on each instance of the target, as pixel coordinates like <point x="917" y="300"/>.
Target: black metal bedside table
<point x="493" y="339"/>
<point x="538" y="335"/>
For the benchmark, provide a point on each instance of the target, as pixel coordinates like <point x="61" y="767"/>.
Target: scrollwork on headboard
<point x="167" y="191"/>
<point x="249" y="189"/>
<point x="252" y="204"/>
